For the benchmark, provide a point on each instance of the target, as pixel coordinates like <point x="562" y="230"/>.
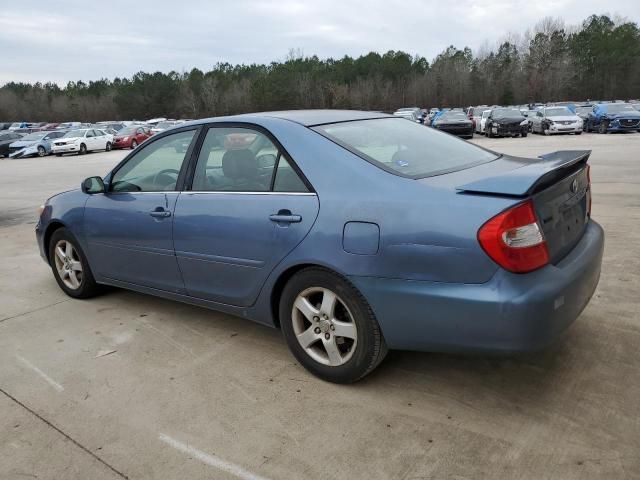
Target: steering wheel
<point x="166" y="173"/>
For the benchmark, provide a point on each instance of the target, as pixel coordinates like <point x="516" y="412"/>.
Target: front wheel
<point x="41" y="151"/>
<point x="70" y="266"/>
<point x="107" y="147"/>
<point x="524" y="133"/>
<point x="134" y="144"/>
<point x="329" y="326"/>
<point x="83" y="149"/>
<point x="604" y="127"/>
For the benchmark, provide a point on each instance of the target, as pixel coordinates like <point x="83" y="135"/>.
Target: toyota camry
<point x="352" y="232"/>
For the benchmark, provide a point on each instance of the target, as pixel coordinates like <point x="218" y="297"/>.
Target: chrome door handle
<point x="160" y="213"/>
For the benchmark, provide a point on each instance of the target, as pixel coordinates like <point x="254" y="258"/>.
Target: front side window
<point x="405" y="148"/>
<point x="155" y="168"/>
<point x="241" y="159"/>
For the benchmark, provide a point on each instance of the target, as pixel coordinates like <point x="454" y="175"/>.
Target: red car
<point x="47" y="126"/>
<point x="131" y="137"/>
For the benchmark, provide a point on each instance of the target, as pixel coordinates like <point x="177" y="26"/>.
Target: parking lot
<point x="131" y="386"/>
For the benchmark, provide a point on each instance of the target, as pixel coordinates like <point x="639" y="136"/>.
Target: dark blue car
<point x="353" y="232"/>
<point x="613" y="117"/>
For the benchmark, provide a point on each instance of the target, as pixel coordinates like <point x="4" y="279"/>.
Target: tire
<point x="42" y="152"/>
<point x="488" y="130"/>
<point x="352" y="358"/>
<point x="524" y="133"/>
<point x="134" y="144"/>
<point x="545" y="130"/>
<point x="107" y="147"/>
<point x="603" y="127"/>
<point x="63" y="270"/>
<point x="83" y="149"/>
<point x="578" y="133"/>
<point x="58" y="154"/>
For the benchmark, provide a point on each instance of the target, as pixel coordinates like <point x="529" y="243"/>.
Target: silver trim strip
<point x="191" y="192"/>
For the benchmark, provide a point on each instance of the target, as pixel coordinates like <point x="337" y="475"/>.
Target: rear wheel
<point x="70" y="266"/>
<point x="329" y="326"/>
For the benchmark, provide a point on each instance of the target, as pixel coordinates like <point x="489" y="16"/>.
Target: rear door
<point x="247" y="209"/>
<point x="129" y="229"/>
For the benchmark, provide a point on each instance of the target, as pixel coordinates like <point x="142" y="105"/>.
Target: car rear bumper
<point x="509" y="313"/>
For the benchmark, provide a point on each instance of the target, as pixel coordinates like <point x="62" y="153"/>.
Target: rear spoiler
<point x="524" y="181"/>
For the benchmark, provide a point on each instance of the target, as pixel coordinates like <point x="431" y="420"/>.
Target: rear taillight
<point x="513" y="239"/>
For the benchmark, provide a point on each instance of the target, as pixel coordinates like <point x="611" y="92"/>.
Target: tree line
<point x="599" y="59"/>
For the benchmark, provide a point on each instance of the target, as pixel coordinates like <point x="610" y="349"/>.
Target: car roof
<point x="307" y="118"/>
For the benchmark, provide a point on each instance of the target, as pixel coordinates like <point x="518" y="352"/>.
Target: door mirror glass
<point x="93" y="185"/>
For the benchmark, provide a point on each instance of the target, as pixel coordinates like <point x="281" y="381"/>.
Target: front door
<point x="247" y="209"/>
<point x="129" y="229"/>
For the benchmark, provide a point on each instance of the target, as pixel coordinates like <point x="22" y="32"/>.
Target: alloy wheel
<point x="324" y="326"/>
<point x="41" y="152"/>
<point x="68" y="264"/>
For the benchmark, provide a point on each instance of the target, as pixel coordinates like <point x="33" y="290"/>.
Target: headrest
<point x="237" y="164"/>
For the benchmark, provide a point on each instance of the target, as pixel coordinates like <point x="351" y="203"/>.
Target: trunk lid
<point x="558" y="184"/>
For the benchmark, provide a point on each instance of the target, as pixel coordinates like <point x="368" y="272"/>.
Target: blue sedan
<point x="613" y="117"/>
<point x="352" y="232"/>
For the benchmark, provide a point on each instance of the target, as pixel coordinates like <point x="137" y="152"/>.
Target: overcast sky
<point x="45" y="40"/>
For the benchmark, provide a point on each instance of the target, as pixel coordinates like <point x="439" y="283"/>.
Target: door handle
<point x="285" y="216"/>
<point x="160" y="213"/>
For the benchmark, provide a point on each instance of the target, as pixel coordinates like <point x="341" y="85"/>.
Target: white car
<point x="481" y="121"/>
<point x="162" y="126"/>
<point x="82" y="141"/>
<point x="550" y="120"/>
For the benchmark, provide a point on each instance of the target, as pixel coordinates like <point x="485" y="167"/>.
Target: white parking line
<point x="45" y="377"/>
<point x="210" y="459"/>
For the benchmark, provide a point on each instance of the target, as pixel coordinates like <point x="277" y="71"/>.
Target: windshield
<point x="128" y="131"/>
<point x="75" y="134"/>
<point x="405" y="148"/>
<point x="34" y="136"/>
<point x="557" y="111"/>
<point x="619" y="108"/>
<point x="164" y="125"/>
<point x="506" y="112"/>
<point x="583" y="109"/>
<point x="453" y="116"/>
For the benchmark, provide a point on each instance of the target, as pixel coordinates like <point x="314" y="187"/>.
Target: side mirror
<point x="93" y="185"/>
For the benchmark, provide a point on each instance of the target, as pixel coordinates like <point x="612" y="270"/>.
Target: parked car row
<point x="22" y="139"/>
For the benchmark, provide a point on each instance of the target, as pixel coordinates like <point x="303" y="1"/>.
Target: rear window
<point x="405" y="148"/>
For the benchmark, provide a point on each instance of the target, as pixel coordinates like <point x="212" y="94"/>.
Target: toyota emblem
<point x="574" y="185"/>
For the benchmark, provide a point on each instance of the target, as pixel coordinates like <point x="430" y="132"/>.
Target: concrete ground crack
<point x="34" y="310"/>
<point x="75" y="442"/>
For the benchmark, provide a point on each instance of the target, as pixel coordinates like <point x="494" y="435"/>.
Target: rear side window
<point x="405" y="148"/>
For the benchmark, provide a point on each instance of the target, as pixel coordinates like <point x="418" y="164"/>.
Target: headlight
<point x="125" y="139"/>
<point x="40" y="210"/>
<point x="524" y="122"/>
